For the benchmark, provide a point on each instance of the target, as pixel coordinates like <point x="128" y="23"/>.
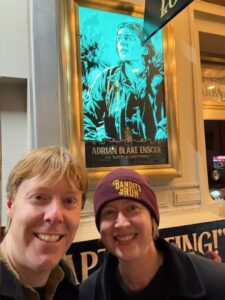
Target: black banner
<point x="85" y="257"/>
<point x="159" y="12"/>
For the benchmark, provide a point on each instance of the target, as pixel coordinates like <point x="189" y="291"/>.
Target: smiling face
<point x="44" y="219"/>
<point x="126" y="230"/>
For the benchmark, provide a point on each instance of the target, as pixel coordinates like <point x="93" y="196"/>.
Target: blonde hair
<point x="51" y="163"/>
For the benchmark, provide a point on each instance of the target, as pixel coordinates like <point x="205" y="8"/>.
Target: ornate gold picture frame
<point x="138" y="149"/>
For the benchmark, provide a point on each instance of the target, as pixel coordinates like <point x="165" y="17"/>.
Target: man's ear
<point x="9" y="206"/>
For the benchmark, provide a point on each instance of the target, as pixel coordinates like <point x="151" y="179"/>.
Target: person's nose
<point x="123" y="42"/>
<point x="54" y="212"/>
<point x="121" y="220"/>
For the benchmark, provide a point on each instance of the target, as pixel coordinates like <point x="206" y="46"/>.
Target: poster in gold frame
<point x="73" y="93"/>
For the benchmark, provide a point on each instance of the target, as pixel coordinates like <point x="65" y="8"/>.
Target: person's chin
<point x="47" y="263"/>
<point x="48" y="257"/>
<point x="123" y="255"/>
<point x="125" y="59"/>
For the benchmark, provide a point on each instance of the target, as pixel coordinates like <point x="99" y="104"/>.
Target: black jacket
<point x="190" y="276"/>
<point x="11" y="288"/>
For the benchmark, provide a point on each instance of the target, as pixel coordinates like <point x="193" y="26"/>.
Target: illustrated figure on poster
<point x="126" y="101"/>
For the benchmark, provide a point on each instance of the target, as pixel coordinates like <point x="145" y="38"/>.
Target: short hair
<point x="51" y="163"/>
<point x="138" y="29"/>
<point x="155" y="229"/>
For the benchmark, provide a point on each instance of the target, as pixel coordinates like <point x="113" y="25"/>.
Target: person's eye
<point x="108" y="213"/>
<point x="128" y="38"/>
<point x="39" y="197"/>
<point x="132" y="209"/>
<point x="70" y="202"/>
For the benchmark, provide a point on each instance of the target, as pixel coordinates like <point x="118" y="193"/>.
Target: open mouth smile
<point x="50" y="238"/>
<point x="125" y="238"/>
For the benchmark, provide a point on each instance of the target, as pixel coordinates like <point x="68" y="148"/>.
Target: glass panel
<point x="213" y="84"/>
<point x="215" y="151"/>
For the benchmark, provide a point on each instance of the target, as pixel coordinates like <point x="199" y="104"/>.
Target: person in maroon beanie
<point x="139" y="264"/>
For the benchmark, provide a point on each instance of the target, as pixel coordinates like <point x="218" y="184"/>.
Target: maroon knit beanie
<point x="123" y="183"/>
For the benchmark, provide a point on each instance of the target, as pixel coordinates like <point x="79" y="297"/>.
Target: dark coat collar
<point x="183" y="278"/>
<point x="11" y="288"/>
<point x="9" y="285"/>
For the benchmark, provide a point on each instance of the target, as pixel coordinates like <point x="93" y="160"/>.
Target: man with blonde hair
<point x="45" y="191"/>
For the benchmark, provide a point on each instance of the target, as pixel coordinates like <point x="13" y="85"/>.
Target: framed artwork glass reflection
<point x="123" y="90"/>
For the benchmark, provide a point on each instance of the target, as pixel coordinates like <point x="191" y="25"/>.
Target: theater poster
<point x="123" y="96"/>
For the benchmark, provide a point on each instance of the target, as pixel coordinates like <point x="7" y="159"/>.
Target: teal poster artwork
<point x="123" y="96"/>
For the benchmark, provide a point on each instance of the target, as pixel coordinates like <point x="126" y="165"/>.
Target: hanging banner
<point x="159" y="12"/>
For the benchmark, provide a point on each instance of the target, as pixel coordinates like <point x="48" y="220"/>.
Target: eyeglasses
<point x="110" y="213"/>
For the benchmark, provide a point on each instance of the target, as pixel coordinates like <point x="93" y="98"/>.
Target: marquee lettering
<point x="166" y="7"/>
<point x="69" y="260"/>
